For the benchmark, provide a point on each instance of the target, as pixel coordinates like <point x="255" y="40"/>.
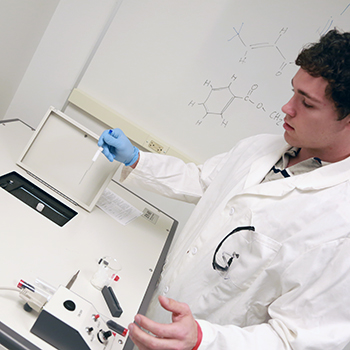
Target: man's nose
<point x="288" y="108"/>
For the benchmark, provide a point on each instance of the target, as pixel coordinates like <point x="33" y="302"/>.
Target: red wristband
<point x="199" y="336"/>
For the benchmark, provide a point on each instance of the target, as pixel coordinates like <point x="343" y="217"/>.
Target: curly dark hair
<point x="330" y="58"/>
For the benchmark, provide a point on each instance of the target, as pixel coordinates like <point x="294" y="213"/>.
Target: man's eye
<point x="307" y="105"/>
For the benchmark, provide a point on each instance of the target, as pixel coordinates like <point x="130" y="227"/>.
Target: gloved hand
<point x="117" y="146"/>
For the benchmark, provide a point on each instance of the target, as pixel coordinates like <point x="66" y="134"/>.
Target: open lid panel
<point x="59" y="154"/>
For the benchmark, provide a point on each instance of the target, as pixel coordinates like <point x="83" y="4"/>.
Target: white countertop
<point x="34" y="247"/>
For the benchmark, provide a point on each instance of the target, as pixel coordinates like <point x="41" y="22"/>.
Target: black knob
<point x="103" y="336"/>
<point x="107" y="334"/>
<point x="69" y="305"/>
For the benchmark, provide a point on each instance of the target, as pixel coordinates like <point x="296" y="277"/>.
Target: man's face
<point x="311" y="119"/>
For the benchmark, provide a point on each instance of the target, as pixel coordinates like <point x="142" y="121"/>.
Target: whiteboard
<point x="203" y="74"/>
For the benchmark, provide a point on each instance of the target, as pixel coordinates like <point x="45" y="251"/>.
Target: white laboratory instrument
<point x="70" y="322"/>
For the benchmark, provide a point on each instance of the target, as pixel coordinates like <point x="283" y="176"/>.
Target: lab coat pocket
<point x="255" y="252"/>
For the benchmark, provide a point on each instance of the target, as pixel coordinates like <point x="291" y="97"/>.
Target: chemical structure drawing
<point x="326" y="28"/>
<point x="331" y="21"/>
<point x="277" y="117"/>
<point x="347" y="7"/>
<point x="219" y="99"/>
<point x="263" y="45"/>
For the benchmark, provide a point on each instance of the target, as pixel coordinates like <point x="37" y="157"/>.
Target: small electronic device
<point x="70" y="322"/>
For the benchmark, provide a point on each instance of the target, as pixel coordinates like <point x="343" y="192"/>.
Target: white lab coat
<point x="290" y="287"/>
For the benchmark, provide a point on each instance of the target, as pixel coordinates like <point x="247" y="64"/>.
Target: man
<point x="263" y="262"/>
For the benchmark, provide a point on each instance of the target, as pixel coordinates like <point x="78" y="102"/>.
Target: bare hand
<point x="181" y="334"/>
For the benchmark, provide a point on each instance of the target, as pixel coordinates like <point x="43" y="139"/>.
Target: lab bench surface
<point x="35" y="247"/>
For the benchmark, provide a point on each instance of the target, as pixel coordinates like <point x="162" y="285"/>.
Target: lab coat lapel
<point x="262" y="166"/>
<point x="326" y="176"/>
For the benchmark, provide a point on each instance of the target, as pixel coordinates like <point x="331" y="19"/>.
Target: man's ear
<point x="347" y="118"/>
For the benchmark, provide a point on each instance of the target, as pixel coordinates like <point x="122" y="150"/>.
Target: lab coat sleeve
<point x="310" y="314"/>
<point x="171" y="177"/>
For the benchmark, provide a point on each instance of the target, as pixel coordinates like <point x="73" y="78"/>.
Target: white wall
<point x="22" y="25"/>
<point x="63" y="51"/>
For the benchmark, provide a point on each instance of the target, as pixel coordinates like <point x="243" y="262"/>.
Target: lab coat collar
<point x="326" y="176"/>
<point x="263" y="165"/>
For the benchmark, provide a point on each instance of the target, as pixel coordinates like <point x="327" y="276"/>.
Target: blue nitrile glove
<point x="117" y="146"/>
